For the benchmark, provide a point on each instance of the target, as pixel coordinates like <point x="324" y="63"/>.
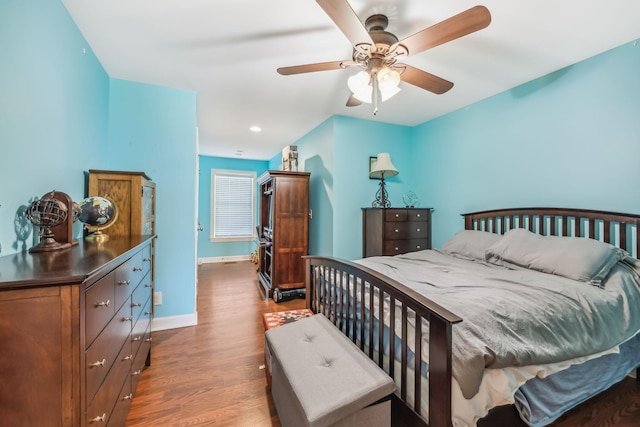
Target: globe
<point x="97" y="213"/>
<point x="46" y="213"/>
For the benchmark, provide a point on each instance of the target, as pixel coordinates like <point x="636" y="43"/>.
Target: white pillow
<point x="470" y="244"/>
<point x="576" y="258"/>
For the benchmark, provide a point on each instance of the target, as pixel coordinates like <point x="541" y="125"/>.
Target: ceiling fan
<point x="377" y="52"/>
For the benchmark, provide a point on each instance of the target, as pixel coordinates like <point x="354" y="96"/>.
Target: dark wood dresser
<point x="75" y="328"/>
<point x="283" y="229"/>
<point x="394" y="231"/>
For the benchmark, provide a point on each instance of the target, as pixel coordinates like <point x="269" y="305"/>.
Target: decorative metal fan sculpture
<point x="377" y="51"/>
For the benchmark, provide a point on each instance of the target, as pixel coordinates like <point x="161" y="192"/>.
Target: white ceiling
<point x="227" y="51"/>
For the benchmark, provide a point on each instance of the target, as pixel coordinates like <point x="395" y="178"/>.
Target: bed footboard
<point x="354" y="297"/>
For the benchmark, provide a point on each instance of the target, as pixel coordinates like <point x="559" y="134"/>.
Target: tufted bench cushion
<point x="320" y="378"/>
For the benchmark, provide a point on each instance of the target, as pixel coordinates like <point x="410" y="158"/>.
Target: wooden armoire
<point x="283" y="228"/>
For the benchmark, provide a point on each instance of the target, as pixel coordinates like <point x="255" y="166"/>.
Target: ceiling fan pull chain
<point x="375" y="95"/>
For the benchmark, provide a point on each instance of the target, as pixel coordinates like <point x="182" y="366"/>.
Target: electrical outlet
<point x="157" y="298"/>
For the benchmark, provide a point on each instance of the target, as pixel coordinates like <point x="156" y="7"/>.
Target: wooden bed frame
<point x="325" y="275"/>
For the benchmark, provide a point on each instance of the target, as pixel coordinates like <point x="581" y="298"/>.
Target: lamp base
<point x="382" y="198"/>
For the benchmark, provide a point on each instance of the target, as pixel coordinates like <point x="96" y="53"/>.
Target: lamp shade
<point x="383" y="167"/>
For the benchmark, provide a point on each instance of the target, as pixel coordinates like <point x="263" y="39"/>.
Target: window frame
<point x="243" y="174"/>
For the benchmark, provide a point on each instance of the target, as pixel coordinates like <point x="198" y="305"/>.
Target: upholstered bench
<point x="320" y="378"/>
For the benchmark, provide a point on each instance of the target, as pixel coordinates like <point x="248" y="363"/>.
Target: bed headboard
<point x="621" y="230"/>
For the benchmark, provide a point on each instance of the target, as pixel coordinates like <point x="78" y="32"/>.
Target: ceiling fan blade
<point x="346" y="19"/>
<point x="353" y="101"/>
<point x="310" y="68"/>
<point x="467" y="22"/>
<point x="425" y="80"/>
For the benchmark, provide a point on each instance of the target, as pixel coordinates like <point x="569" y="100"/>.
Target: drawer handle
<point x="397" y="215"/>
<point x="149" y="339"/>
<point x="127" y="319"/>
<point x="100" y="419"/>
<point x="124" y="282"/>
<point x="146" y="259"/>
<point x="147" y="313"/>
<point x="137" y="268"/>
<point x="417" y="229"/>
<point x="397" y="230"/>
<point x="148" y="285"/>
<point x="418" y="215"/>
<point x="128" y="396"/>
<point x="99" y="363"/>
<point x="418" y="247"/>
<point x="102" y="304"/>
<point x="396" y="249"/>
<point x="136" y="339"/>
<point x="129" y="357"/>
<point x="136" y="304"/>
<point x="138" y="372"/>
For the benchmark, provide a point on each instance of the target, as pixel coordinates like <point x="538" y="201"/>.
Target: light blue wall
<point x="206" y="248"/>
<point x="355" y="141"/>
<point x="315" y="151"/>
<point x="153" y="129"/>
<point x="337" y="154"/>
<point x="569" y="139"/>
<point x="60" y="115"/>
<point x="54" y="99"/>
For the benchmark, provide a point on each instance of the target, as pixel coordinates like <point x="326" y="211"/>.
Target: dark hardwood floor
<point x="209" y="374"/>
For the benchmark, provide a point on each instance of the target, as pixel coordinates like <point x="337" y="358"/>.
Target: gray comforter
<point x="519" y="317"/>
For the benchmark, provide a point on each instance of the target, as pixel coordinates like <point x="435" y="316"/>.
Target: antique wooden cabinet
<point x="394" y="231"/>
<point x="133" y="193"/>
<point x="283" y="227"/>
<point x="75" y="328"/>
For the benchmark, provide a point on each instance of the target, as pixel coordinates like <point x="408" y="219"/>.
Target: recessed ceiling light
<point x="255" y="129"/>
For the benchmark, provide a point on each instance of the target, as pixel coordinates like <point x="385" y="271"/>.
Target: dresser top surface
<point x="67" y="266"/>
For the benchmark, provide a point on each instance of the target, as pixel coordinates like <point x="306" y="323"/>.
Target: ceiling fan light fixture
<point x="360" y="85"/>
<point x="388" y="92"/>
<point x="388" y="81"/>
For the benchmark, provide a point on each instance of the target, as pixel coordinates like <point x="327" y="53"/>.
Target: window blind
<point x="233" y="205"/>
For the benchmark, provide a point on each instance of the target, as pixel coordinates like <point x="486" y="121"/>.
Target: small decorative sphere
<point x="410" y="199"/>
<point x="47" y="212"/>
<point x="96" y="211"/>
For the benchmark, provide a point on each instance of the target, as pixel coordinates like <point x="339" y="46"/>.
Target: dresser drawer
<point x="146" y="259"/>
<point x="140" y="296"/>
<point x="127" y="277"/>
<point x="417" y="229"/>
<point x="100" y="356"/>
<point x="100" y="409"/>
<point x="143" y="323"/>
<point x="395" y="247"/>
<point x="99" y="307"/>
<point x="140" y="358"/>
<point x="395" y="215"/>
<point x="396" y="230"/>
<point x="120" y="411"/>
<point x="417" y="244"/>
<point x="418" y="214"/>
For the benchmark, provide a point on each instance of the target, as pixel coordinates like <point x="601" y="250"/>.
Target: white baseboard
<point x="224" y="259"/>
<point x="174" y="322"/>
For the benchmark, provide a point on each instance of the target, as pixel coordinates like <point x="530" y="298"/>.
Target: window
<point x="232" y="205"/>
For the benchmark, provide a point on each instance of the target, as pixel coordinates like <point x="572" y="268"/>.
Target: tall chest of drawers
<point x="394" y="231"/>
<point x="77" y="329"/>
